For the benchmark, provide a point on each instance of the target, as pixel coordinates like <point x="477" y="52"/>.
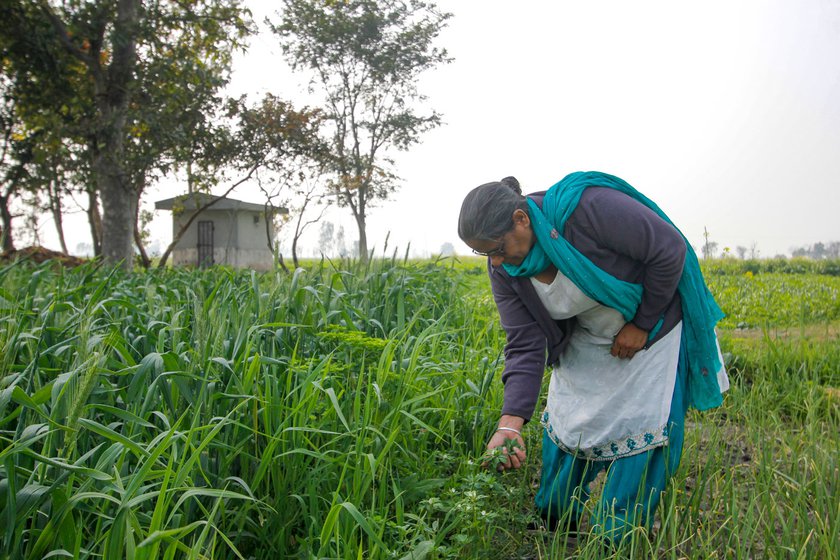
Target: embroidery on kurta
<point x="616" y="449"/>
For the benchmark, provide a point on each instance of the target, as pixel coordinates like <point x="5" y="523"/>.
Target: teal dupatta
<point x="700" y="311"/>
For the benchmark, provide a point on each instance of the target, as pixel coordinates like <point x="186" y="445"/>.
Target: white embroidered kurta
<point x="599" y="406"/>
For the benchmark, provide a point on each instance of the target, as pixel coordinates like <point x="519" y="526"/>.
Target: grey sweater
<point x="622" y="237"/>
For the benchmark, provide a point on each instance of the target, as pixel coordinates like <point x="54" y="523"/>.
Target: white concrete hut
<point x="230" y="232"/>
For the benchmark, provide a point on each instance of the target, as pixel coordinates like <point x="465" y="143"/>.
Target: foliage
<point x="819" y="250"/>
<point x="776" y="300"/>
<point x="498" y="456"/>
<point x="796" y="265"/>
<point x="366" y="57"/>
<point x="270" y="136"/>
<point x="340" y="412"/>
<point x="13" y="160"/>
<point x="133" y="85"/>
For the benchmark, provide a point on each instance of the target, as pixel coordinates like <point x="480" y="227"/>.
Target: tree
<point x="53" y="100"/>
<point x="709" y="246"/>
<point x="308" y="196"/>
<point x="21" y="169"/>
<point x="340" y="246"/>
<point x="19" y="140"/>
<point x="710" y="249"/>
<point x="269" y="141"/>
<point x="326" y="238"/>
<point x="104" y="29"/>
<point x="134" y="68"/>
<point x="818" y="250"/>
<point x="12" y="164"/>
<point x="365" y="57"/>
<point x="180" y="122"/>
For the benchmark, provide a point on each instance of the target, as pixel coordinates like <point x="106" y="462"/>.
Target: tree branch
<point x="63" y="35"/>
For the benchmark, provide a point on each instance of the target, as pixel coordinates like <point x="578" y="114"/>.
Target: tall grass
<point x="339" y="412"/>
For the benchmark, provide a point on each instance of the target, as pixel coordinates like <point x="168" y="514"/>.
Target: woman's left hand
<point x="629" y="340"/>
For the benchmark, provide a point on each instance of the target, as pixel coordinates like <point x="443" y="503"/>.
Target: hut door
<point x="205" y="243"/>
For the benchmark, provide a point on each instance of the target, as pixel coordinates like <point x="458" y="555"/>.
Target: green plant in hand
<point x="498" y="456"/>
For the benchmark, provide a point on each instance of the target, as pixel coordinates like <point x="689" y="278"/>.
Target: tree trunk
<point x="166" y="252"/>
<point x="95" y="221"/>
<point x="118" y="208"/>
<point x="119" y="201"/>
<point x="294" y="251"/>
<point x="282" y="262"/>
<point x="358" y="208"/>
<point x="275" y="251"/>
<point x="359" y="213"/>
<point x="6" y="242"/>
<point x="138" y="239"/>
<point x="112" y="89"/>
<point x="55" y="208"/>
<point x="363" y="247"/>
<point x="112" y="95"/>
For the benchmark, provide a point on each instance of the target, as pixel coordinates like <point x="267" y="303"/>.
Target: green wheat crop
<point x="342" y="412"/>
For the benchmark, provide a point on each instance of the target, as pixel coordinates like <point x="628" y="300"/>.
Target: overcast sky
<point x="726" y="113"/>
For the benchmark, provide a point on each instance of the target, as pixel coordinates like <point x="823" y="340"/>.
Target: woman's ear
<point x="520" y="217"/>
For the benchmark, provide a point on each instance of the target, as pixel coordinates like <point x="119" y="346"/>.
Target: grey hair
<point x="487" y="210"/>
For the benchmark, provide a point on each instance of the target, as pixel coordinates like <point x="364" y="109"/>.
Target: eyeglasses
<point x="497" y="252"/>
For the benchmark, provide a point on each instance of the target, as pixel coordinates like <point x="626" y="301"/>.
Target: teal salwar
<point x="633" y="484"/>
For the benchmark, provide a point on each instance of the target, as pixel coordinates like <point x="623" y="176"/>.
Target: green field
<point x="341" y="411"/>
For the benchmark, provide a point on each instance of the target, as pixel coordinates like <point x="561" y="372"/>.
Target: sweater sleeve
<point x="628" y="227"/>
<point x="524" y="351"/>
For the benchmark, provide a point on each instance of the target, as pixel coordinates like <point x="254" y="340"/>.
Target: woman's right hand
<point x="501" y="440"/>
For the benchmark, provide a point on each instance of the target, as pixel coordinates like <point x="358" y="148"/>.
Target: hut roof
<point x="194" y="201"/>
